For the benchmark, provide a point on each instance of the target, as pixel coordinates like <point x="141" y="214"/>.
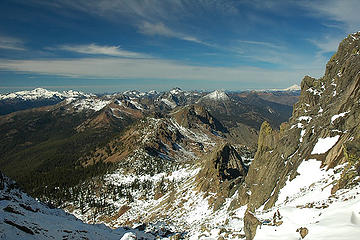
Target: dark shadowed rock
<point x="221" y="172"/>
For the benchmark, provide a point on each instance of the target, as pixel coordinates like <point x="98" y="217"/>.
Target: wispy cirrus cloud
<point x="160" y="29"/>
<point x="11" y="43"/>
<point x="345" y="13"/>
<point x="260" y="43"/>
<point x="327" y="44"/>
<point x="149" y="16"/>
<point x="95" y="49"/>
<point x="149" y="10"/>
<point x="127" y="68"/>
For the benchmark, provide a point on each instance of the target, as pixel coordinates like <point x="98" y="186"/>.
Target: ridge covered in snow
<point x="292" y="88"/>
<point x="41" y="93"/>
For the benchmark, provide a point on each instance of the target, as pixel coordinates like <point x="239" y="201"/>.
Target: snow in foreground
<point x="22" y="217"/>
<point x="306" y="201"/>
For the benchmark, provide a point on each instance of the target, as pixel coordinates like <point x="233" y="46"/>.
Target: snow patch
<point x="339" y="74"/>
<point x="305" y="118"/>
<point x="314" y="91"/>
<point x="302" y="134"/>
<point x="90" y="103"/>
<point x="169" y="103"/>
<point x="136" y="104"/>
<point x="333" y="118"/>
<point x="324" y="144"/>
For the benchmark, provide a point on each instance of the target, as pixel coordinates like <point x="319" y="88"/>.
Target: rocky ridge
<point x="324" y="127"/>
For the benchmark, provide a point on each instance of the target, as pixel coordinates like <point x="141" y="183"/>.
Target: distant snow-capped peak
<point x="294" y="87"/>
<point x="75" y="94"/>
<point x="133" y="93"/>
<point x="152" y="92"/>
<point x="217" y="95"/>
<point x="176" y="90"/>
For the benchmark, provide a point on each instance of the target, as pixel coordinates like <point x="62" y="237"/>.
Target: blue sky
<point x="108" y="46"/>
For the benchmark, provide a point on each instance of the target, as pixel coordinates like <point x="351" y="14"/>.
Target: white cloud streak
<point x="149" y="10"/>
<point x="327" y="44"/>
<point x="341" y="17"/>
<point x="121" y="68"/>
<point x="344" y="12"/>
<point x="160" y="29"/>
<point x="95" y="49"/>
<point x="149" y="16"/>
<point x="264" y="44"/>
<point x="11" y="43"/>
<point x="157" y="29"/>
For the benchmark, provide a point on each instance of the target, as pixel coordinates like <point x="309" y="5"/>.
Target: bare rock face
<point x="224" y="164"/>
<point x="221" y="172"/>
<point x="196" y="114"/>
<point x="327" y="108"/>
<point x="250" y="225"/>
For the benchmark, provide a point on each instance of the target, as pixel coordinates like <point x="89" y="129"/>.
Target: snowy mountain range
<point x="292" y="88"/>
<point x="41" y="93"/>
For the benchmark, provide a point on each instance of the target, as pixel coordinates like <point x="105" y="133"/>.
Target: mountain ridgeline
<point x="82" y="135"/>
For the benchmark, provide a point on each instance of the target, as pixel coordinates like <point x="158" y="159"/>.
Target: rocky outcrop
<point x="327" y="110"/>
<point x="303" y="231"/>
<point x="220" y="173"/>
<point x="250" y="225"/>
<point x="189" y="116"/>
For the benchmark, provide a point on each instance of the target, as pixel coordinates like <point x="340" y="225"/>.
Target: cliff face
<point x="325" y="126"/>
<point x="220" y="174"/>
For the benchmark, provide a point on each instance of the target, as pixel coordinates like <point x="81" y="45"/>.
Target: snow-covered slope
<point x="22" y="217"/>
<point x="307" y="202"/>
<point x="88" y="103"/>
